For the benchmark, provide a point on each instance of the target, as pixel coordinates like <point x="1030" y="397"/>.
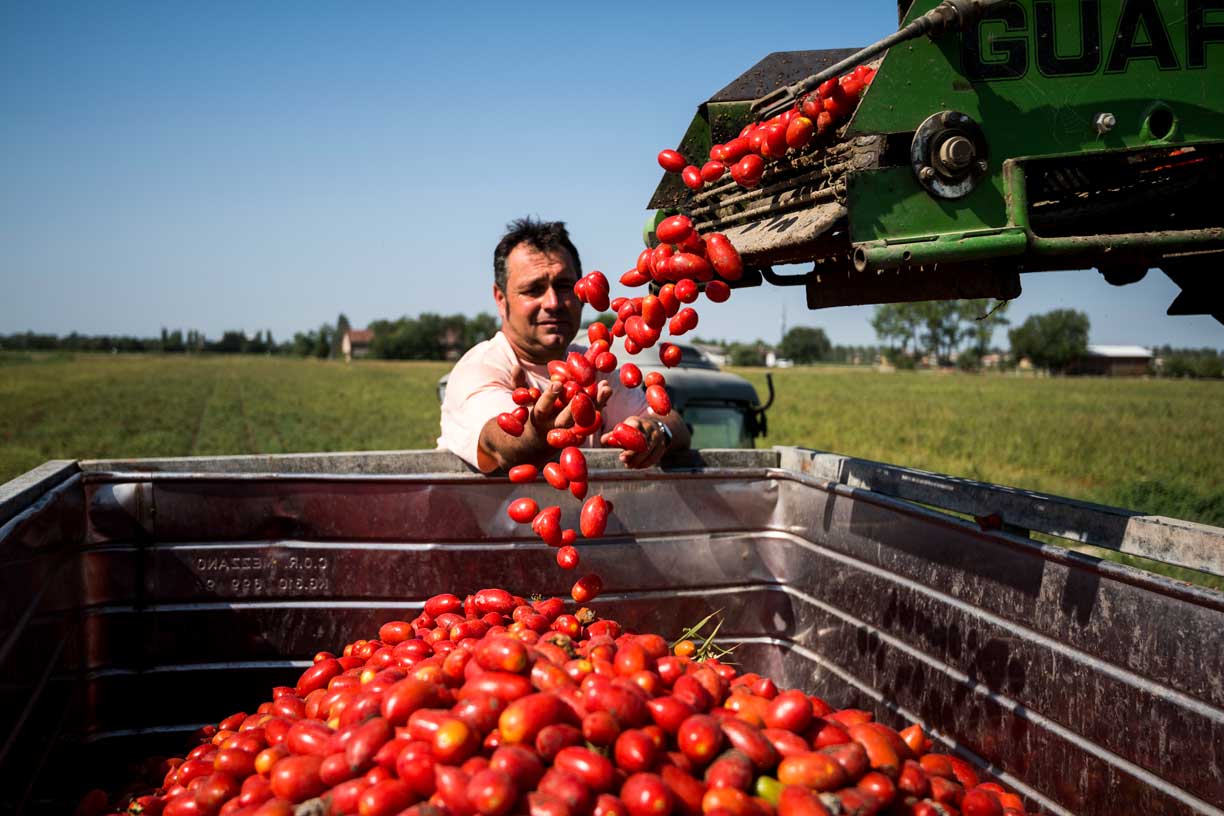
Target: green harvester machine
<point x="996" y="138"/>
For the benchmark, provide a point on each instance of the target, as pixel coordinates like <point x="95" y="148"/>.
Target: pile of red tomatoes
<point x="491" y="705"/>
<point x="760" y="143"/>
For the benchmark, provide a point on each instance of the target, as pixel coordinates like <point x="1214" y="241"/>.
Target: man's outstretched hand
<point x="656" y="441"/>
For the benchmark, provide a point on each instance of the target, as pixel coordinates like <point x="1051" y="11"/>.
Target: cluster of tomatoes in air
<point x="746" y="155"/>
<point x="682" y="265"/>
<point x="493" y="705"/>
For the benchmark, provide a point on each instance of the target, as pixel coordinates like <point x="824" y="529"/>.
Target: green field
<point x="1152" y="445"/>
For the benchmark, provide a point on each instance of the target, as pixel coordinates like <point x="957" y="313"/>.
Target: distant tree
<point x="1051" y="340"/>
<point x="747" y="354"/>
<point x="941" y="324"/>
<point x="898" y="323"/>
<point x="257" y="344"/>
<point x="342" y="326"/>
<point x="304" y="343"/>
<point x="231" y="342"/>
<point x="1203" y="363"/>
<point x="478" y="329"/>
<point x="805" y="344"/>
<point x="982" y="320"/>
<point x="326" y="339"/>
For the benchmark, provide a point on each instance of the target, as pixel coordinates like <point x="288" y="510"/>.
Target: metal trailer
<point x="142" y="599"/>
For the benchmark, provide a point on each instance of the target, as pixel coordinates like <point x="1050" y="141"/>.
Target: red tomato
<point x="318" y="675"/>
<point x="773" y="143"/>
<point x="580" y="369"/>
<point x="811" y="106"/>
<point x="644" y="794"/>
<point x="523" y="510"/>
<point x="735" y="150"/>
<point x="555" y="476"/>
<point x="296" y="778"/>
<point x="978" y="802"/>
<point x="634" y="278"/>
<point x="790" y="710"/>
<point x="672" y="161"/>
<point x="690" y="265"/>
<point x="567" y="557"/>
<point x="670" y="355"/>
<point x="573" y="464"/>
<point x="561" y="438"/>
<point x="594" y="517"/>
<point x="747" y="171"/>
<point x="658" y="400"/>
<point x="492" y="792"/>
<point x="717" y="291"/>
<point x="629" y="438"/>
<point x="510" y="424"/>
<point x="547" y="525"/>
<point x="712" y="171"/>
<point x="631" y="375"/>
<point x="675" y="229"/>
<point x="799" y="132"/>
<point x="605" y="363"/>
<point x="586" y="588"/>
<point x="518" y="474"/>
<point x="691" y="176"/>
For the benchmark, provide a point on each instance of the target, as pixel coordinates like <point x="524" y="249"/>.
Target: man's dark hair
<point x="547" y="237"/>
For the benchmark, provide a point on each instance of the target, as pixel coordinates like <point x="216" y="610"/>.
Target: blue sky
<point x="268" y="165"/>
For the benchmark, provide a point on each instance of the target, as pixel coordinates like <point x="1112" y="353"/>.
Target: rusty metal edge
<point x="19" y="493"/>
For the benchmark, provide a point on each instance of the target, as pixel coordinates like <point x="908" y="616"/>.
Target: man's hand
<point x="497" y="449"/>
<point x="545" y="415"/>
<point x="656" y="439"/>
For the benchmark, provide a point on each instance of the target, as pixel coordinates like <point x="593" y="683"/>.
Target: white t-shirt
<point x="480" y="388"/>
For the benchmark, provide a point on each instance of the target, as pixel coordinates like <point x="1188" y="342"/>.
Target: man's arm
<point x="498" y="450"/>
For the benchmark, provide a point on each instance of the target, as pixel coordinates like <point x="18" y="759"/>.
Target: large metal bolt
<point x="1104" y="122"/>
<point x="955" y="153"/>
<point x="926" y="174"/>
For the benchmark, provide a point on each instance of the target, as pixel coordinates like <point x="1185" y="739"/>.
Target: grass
<point x="1146" y="444"/>
<point x="1151" y="445"/>
<point x="97" y="406"/>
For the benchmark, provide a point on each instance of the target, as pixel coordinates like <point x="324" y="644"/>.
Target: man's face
<point x="539" y="309"/>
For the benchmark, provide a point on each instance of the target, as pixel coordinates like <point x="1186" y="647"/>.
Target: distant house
<point x="356" y="343"/>
<point x="451" y="342"/>
<point x="774" y="361"/>
<point x="1114" y="361"/>
<point x="717" y="355"/>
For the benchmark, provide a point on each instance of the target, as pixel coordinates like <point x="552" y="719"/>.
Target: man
<point x="535" y="267"/>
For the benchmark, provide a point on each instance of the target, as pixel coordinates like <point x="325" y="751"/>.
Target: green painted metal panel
<point x="890" y="204"/>
<point x="1035" y="73"/>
